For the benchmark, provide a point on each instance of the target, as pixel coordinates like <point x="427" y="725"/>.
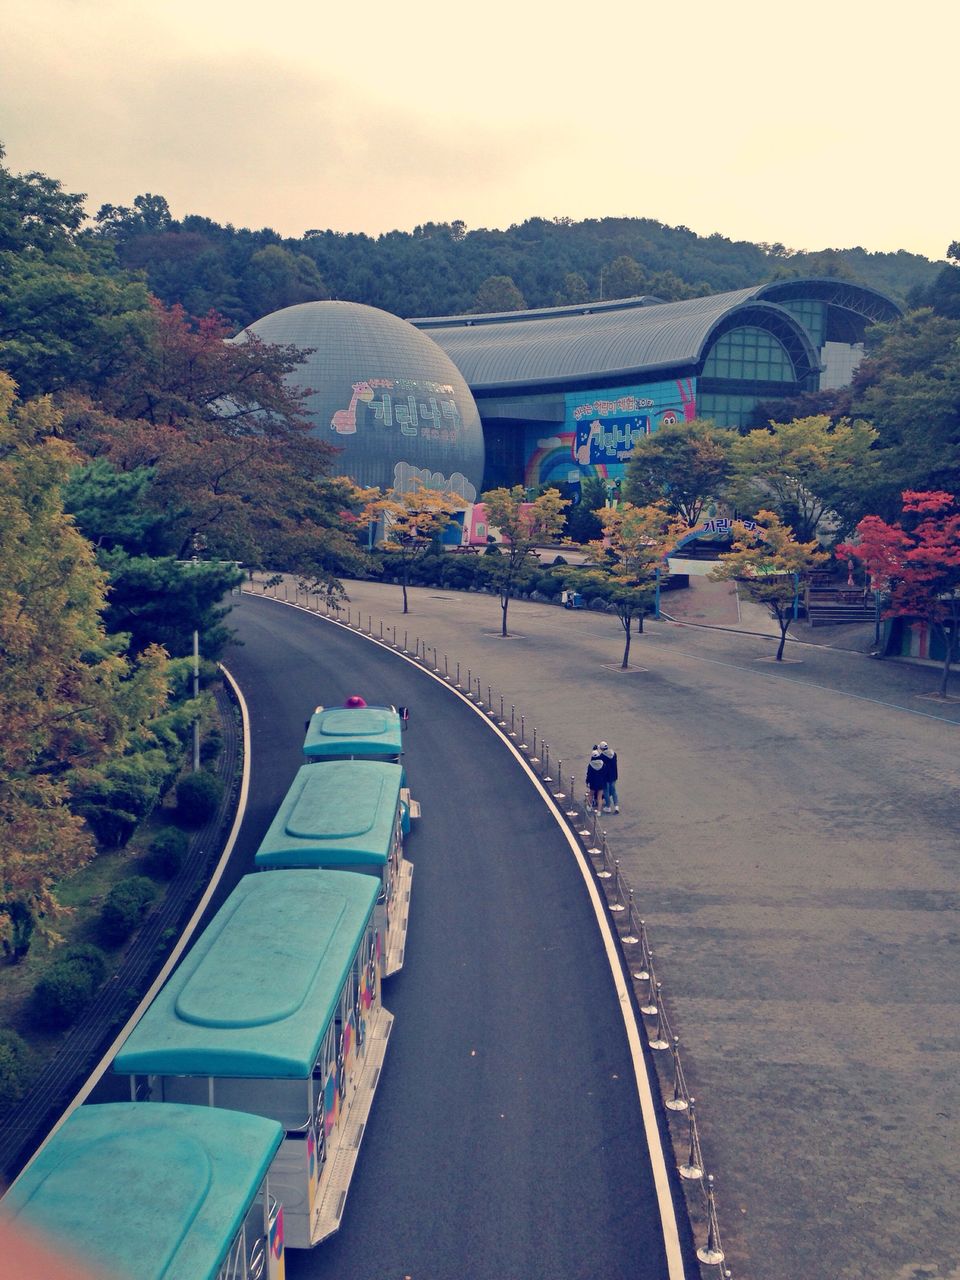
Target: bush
<point x="198" y="797"/>
<point x="211" y="744"/>
<point x="126" y="904"/>
<point x="68" y="986"/>
<point x="166" y="853"/>
<point x="16" y="1067"/>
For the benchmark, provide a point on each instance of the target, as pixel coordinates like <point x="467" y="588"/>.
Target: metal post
<point x="502" y="721"/>
<point x="692" y="1169"/>
<point x="381" y="628"/>
<point x="572" y="811"/>
<point x="405" y="634"/>
<point x="659" y="1038"/>
<point x="394" y="637"/>
<point x="369" y="624"/>
<point x="523" y="733"/>
<point x="678" y="1102"/>
<point x="446" y="669"/>
<point x="617" y="904"/>
<point x="458" y="676"/>
<point x="711" y="1253"/>
<point x="650" y="1007"/>
<point x="513" y="720"/>
<point x="630" y="938"/>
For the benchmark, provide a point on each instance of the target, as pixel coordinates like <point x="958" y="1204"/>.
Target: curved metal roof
<point x="543" y="349"/>
<point x="629" y="338"/>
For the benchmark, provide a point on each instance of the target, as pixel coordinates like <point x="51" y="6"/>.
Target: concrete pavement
<point x="790" y="832"/>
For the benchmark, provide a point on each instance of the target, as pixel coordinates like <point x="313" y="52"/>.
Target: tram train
<point x="264" y="1047"/>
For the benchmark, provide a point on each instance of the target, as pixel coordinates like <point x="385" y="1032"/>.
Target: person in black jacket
<point x="611" y="801"/>
<point x="596" y="780"/>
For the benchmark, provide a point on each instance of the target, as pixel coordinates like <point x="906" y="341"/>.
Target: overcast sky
<point x="830" y="123"/>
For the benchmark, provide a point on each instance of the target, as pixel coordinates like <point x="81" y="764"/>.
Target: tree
<point x="67" y="694"/>
<point x="808" y="467"/>
<point x="768" y="565"/>
<point x="524" y="525"/>
<point x="412" y="522"/>
<point x="633" y="551"/>
<point x="498" y="293"/>
<point x="916" y="563"/>
<point x="623" y="278"/>
<point x="685" y="465"/>
<point x="909" y="388"/>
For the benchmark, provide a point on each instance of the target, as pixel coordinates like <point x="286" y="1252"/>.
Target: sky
<point x="826" y="124"/>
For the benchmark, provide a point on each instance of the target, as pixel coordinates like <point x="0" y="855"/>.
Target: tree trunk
<point x="784" y="623"/>
<point x="948" y="643"/>
<point x="626" y="647"/>
<point x="504" y="605"/>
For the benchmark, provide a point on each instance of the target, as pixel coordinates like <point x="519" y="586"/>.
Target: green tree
<point x="67" y="695"/>
<point x="412" y="523"/>
<point x="523" y="526"/>
<point x="909" y="388"/>
<point x="686" y="466"/>
<point x="623" y="278"/>
<point x="808" y="467"/>
<point x="498" y="293"/>
<point x="769" y="566"/>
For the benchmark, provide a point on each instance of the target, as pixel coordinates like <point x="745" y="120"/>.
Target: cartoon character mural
<point x="600" y="429"/>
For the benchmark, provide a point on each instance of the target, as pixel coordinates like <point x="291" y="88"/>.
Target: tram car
<point x="276" y="1012"/>
<point x="128" y="1189"/>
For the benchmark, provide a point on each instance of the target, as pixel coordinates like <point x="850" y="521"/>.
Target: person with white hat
<point x="596" y="780"/>
<point x="611" y="801"/>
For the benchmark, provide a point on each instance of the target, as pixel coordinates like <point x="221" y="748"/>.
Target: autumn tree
<point x="685" y="465"/>
<point x="412" y="522"/>
<point x="628" y="560"/>
<point x="232" y="457"/>
<point x="915" y="563"/>
<point x="769" y="565"/>
<point x="67" y="693"/>
<point x="524" y="526"/>
<point x="807" y="467"/>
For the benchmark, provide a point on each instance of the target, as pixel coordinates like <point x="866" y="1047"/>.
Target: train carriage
<point x="360" y="733"/>
<point x="276" y="1011"/>
<point x="346" y="815"/>
<point x="178" y="1193"/>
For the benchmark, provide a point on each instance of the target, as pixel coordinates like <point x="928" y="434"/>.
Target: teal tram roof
<point x="337" y="814"/>
<point x="353" y="732"/>
<point x="255" y="994"/>
<point x="632" y="338"/>
<point x="146" y="1192"/>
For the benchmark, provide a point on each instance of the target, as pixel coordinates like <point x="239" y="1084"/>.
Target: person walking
<point x="596" y="779"/>
<point x="611" y="801"/>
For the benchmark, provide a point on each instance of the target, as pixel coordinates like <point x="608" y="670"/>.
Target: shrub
<point x="198" y="797"/>
<point x="63" y="992"/>
<point x="211" y="744"/>
<point x="125" y="906"/>
<point x="16" y="1067"/>
<point x="84" y="955"/>
<point x="166" y="853"/>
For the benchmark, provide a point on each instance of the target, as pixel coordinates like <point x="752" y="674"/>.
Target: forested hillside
<point x="444" y="268"/>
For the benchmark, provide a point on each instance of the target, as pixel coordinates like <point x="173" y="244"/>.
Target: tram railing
<point x="630" y="926"/>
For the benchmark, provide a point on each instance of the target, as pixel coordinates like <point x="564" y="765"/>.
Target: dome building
<point x="385" y="394"/>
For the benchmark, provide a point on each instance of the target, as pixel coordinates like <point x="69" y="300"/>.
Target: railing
<point x="630" y="926"/>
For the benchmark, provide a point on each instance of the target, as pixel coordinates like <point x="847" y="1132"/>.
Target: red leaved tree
<point x="916" y="564"/>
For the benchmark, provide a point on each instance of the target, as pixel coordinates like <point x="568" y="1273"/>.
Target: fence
<point x="630" y="926"/>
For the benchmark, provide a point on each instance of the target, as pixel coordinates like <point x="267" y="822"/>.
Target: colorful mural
<point x="601" y="427"/>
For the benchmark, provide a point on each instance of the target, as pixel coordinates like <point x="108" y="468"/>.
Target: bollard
<point x="711" y="1253"/>
<point x="651" y="1007"/>
<point x="546" y="762"/>
<point x="630" y="937"/>
<point x="349" y="617"/>
<point x="513" y="720"/>
<point x="692" y="1169"/>
<point x="479" y="699"/>
<point x="523" y="744"/>
<point x="659" y="1038"/>
<point x="369" y="624"/>
<point x="618" y="903"/>
<point x="394" y="637"/>
<point x="446" y="669"/>
<point x="534" y="739"/>
<point x="489" y="696"/>
<point x="584" y="831"/>
<point x="572" y="811"/>
<point x="678" y="1102"/>
<point x="435" y="666"/>
<point x="458" y="676"/>
<point x="381" y="628"/>
<point x="405" y="649"/>
<point x="604" y="873"/>
<point x="502" y="722"/>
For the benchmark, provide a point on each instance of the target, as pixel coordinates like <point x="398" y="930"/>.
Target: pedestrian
<point x="611" y="801"/>
<point x="596" y="771"/>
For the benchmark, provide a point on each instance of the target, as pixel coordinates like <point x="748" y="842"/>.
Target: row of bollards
<point x="631" y="928"/>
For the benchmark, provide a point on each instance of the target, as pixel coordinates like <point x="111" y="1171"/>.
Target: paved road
<point x="506" y="1139"/>
<point x="791" y="832"/>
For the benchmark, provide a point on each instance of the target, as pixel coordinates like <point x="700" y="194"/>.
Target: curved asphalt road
<point x="506" y="1139"/>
